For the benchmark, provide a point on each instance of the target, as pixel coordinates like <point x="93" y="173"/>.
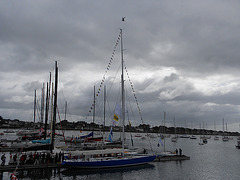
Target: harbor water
<point x="216" y="160"/>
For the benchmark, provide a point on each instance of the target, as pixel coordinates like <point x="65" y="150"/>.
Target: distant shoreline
<point x="84" y="126"/>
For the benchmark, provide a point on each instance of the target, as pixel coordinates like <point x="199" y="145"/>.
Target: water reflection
<point x="117" y="173"/>
<point x="111" y="173"/>
<point x="38" y="174"/>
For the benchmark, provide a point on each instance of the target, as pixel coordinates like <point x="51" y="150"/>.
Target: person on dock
<point x="43" y="158"/>
<point x="15" y="159"/>
<point x="180" y="151"/>
<point x="176" y="151"/>
<point x="48" y="158"/>
<point x="56" y="158"/>
<point x="37" y="159"/>
<point x="144" y="151"/>
<point x="23" y="159"/>
<point x="10" y="159"/>
<point x="13" y="176"/>
<point x="60" y="157"/>
<point x="3" y="158"/>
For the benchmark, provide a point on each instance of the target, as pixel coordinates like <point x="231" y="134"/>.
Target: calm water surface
<point x="216" y="160"/>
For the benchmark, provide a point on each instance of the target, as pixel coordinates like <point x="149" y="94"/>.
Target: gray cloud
<point x="171" y="49"/>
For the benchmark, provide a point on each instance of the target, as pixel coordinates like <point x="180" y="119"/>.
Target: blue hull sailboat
<point x="107" y="158"/>
<point x="110" y="163"/>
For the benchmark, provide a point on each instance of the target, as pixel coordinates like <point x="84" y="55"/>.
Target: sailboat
<point x="202" y="139"/>
<point x="48" y="144"/>
<point x="192" y="136"/>
<point x="175" y="138"/>
<point x="238" y="138"/>
<point x="224" y="137"/>
<point x="39" y="144"/>
<point x="216" y="137"/>
<point x="238" y="144"/>
<point x="107" y="158"/>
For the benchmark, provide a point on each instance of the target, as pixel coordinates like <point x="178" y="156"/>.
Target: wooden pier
<point x="28" y="167"/>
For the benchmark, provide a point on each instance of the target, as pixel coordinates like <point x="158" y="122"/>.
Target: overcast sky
<point x="182" y="57"/>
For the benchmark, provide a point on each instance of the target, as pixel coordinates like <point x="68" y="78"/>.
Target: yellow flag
<point x="115" y="117"/>
<point x="129" y="123"/>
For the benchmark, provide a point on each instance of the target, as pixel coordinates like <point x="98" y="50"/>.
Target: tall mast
<point x="104" y="109"/>
<point x="123" y="94"/>
<point x="55" y="106"/>
<point x="46" y="114"/>
<point x="94" y="101"/>
<point x="174" y="127"/>
<point x="104" y="114"/>
<point x="94" y="104"/>
<point x="34" y="107"/>
<point x="42" y="103"/>
<point x="65" y="116"/>
<point x="47" y="105"/>
<point x="223" y="124"/>
<point x="164" y="130"/>
<point x="51" y="126"/>
<point x="214" y="125"/>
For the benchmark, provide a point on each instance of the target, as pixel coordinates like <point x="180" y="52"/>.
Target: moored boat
<point x="174" y="139"/>
<point x="225" y="138"/>
<point x="238" y="145"/>
<point x="184" y="136"/>
<point x="216" y="138"/>
<point x="138" y="135"/>
<point x="204" y="141"/>
<point x="193" y="137"/>
<point x="107" y="158"/>
<point x="9" y="131"/>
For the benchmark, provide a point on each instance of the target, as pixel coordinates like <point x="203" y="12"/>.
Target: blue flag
<point x="110" y="138"/>
<point x="160" y="141"/>
<point x="111" y="132"/>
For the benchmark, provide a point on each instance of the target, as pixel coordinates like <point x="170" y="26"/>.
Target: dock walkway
<point x="28" y="167"/>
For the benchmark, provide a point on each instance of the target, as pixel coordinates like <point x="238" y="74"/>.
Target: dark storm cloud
<point x="196" y="40"/>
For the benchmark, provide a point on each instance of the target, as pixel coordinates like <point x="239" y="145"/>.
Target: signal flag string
<point x="134" y="94"/>
<point x="106" y="71"/>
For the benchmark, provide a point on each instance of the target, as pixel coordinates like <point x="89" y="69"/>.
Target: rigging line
<point x="68" y="110"/>
<point x="111" y="84"/>
<point x="112" y="111"/>
<point x="108" y="67"/>
<point x="109" y="64"/>
<point x="134" y="94"/>
<point x="113" y="80"/>
<point x="38" y="109"/>
<point x="138" y="106"/>
<point x="131" y="109"/>
<point x="61" y="124"/>
<point x="100" y="107"/>
<point x="129" y="123"/>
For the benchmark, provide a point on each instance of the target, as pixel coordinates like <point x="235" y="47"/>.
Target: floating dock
<point x="163" y="158"/>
